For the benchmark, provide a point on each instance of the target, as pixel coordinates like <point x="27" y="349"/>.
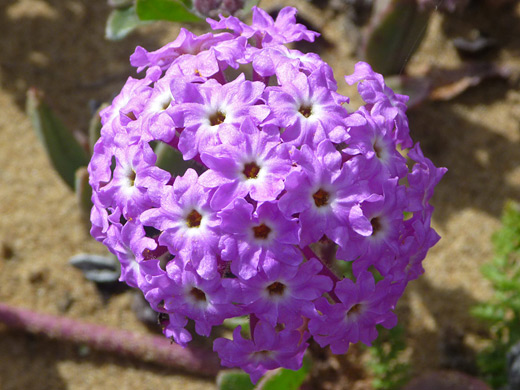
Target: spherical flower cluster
<point x="306" y="217"/>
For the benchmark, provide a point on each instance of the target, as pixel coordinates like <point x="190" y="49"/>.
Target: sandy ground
<point x="58" y="46"/>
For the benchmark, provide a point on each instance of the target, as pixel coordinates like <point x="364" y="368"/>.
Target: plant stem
<point x="309" y="254"/>
<point x="156" y="349"/>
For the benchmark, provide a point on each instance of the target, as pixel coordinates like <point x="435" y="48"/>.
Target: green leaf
<point x="248" y="5"/>
<point x="234" y="380"/>
<point x="232" y="323"/>
<point x="83" y="195"/>
<point x="122" y="22"/>
<point x="65" y="152"/>
<point x="503" y="310"/>
<point x="171" y="160"/>
<point x="488" y="313"/>
<point x="393" y="36"/>
<point x="284" y="379"/>
<point x="388" y="371"/>
<point x="94" y="127"/>
<point x="171" y="10"/>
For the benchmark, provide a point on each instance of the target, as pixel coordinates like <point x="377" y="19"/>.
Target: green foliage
<point x="390" y="373"/>
<point x="234" y="380"/>
<point x="121" y="22"/>
<point x="171" y="160"/>
<point x="129" y="15"/>
<point x="233" y="322"/>
<point x="502" y="312"/>
<point x="397" y="28"/>
<point x="344" y="268"/>
<point x="284" y="379"/>
<point x="279" y="379"/>
<point x="83" y="195"/>
<point x="94" y="127"/>
<point x="66" y="154"/>
<point x="171" y="10"/>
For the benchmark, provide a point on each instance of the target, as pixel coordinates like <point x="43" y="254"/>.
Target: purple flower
<point x="322" y="193"/>
<point x="203" y="109"/>
<point x="186" y="43"/>
<point x="284" y="169"/>
<point x="129" y="244"/>
<point x="305" y="106"/>
<point x="362" y="306"/>
<point x="376" y="223"/>
<point x="248" y="162"/>
<point x="265" y="30"/>
<point x="422" y="181"/>
<point x="257" y="238"/>
<point x="173" y="326"/>
<point x="128" y="104"/>
<point x="284" y="294"/>
<point x="417" y="238"/>
<point x="267" y="61"/>
<point x="268" y="350"/>
<point x="135" y="180"/>
<point x="371" y="137"/>
<point x="381" y="100"/>
<point x="189" y="228"/>
<point x="181" y="291"/>
<point x="212" y="62"/>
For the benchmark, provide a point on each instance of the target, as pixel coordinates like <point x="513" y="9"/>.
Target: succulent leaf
<point x="394" y="34"/>
<point x="94" y="128"/>
<point x="65" y="152"/>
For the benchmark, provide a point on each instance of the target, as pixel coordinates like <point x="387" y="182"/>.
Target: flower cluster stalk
<point x="155" y="349"/>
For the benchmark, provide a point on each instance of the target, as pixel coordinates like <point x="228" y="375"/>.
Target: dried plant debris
<point x="98" y="269"/>
<point x="104" y="271"/>
<point x="446" y="84"/>
<point x="449" y="83"/>
<point x="475" y="45"/>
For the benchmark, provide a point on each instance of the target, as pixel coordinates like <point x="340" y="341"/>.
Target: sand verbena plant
<point x="222" y="171"/>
